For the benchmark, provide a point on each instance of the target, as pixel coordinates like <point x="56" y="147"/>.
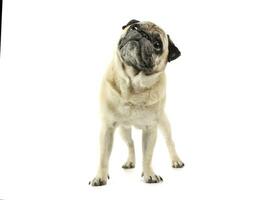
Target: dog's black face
<point x="139" y="47"/>
<point x="142" y="46"/>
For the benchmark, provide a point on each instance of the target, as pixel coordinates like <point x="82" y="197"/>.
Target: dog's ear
<point x="133" y="21"/>
<point x="173" y="52"/>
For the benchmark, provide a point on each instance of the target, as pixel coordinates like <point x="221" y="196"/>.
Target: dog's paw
<point x="97" y="181"/>
<point x="152" y="178"/>
<point x="128" y="165"/>
<point x="177" y="164"/>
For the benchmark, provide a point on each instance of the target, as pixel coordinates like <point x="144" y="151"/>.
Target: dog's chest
<point x="130" y="103"/>
<point x="137" y="115"/>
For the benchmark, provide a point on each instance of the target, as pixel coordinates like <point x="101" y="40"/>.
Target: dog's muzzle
<point x="136" y="49"/>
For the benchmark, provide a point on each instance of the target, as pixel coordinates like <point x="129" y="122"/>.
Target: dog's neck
<point x="139" y="81"/>
<point x="135" y="88"/>
<point x="136" y="80"/>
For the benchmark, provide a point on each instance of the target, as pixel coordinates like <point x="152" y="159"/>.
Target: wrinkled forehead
<point x="156" y="31"/>
<point x="152" y="28"/>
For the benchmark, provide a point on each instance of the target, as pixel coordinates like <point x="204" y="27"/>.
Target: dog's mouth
<point x="137" y="52"/>
<point x="122" y="43"/>
<point x="133" y="53"/>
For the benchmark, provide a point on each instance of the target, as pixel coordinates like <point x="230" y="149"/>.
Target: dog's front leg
<point x="106" y="142"/>
<point x="166" y="130"/>
<point x="148" y="143"/>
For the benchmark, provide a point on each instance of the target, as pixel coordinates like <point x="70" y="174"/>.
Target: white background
<point x="54" y="54"/>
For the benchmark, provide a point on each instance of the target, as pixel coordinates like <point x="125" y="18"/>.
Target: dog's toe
<point x="98" y="182"/>
<point x="153" y="179"/>
<point x="177" y="164"/>
<point x="128" y="165"/>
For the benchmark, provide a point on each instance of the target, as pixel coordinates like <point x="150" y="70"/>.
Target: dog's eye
<point x="157" y="45"/>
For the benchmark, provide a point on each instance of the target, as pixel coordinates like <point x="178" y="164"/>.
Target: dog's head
<point x="146" y="47"/>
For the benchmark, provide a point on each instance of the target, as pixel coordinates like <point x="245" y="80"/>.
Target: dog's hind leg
<point x="126" y="134"/>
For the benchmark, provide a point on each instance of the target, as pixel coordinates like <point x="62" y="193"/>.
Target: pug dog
<point x="133" y="94"/>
